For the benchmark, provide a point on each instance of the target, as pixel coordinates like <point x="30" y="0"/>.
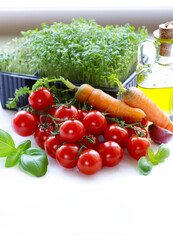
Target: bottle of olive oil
<point x="156" y="79"/>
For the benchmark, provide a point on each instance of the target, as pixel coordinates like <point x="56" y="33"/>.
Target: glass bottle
<point x="156" y="79"/>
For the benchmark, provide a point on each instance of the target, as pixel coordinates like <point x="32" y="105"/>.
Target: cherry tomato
<point x="81" y="114"/>
<point x="116" y="133"/>
<point x="138" y="146"/>
<point x="89" y="162"/>
<point x="66" y="113"/>
<point x="24" y="123"/>
<point x="40" y="99"/>
<point x="142" y="131"/>
<point x="72" y="131"/>
<point x="51" y="144"/>
<point x="111" y="153"/>
<point x="95" y="123"/>
<point x="67" y="155"/>
<point x="144" y="122"/>
<point x="90" y="141"/>
<point x="44" y="118"/>
<point x="42" y="134"/>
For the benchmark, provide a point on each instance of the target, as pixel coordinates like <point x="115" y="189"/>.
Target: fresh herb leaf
<point x="34" y="161"/>
<point x="24" y="146"/>
<point x="12" y="159"/>
<point x="150" y="153"/>
<point x="144" y="165"/>
<point x="7" y="144"/>
<point x="31" y="159"/>
<point x="162" y="153"/>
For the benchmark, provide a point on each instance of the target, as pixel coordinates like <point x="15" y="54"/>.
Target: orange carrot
<point x="104" y="102"/>
<point x="83" y="92"/>
<point x="134" y="97"/>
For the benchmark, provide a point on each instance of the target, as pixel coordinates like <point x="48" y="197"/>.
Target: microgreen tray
<point x="9" y="82"/>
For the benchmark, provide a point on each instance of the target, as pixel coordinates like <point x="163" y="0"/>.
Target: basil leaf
<point x="24" y="146"/>
<point x="144" y="166"/>
<point x="34" y="161"/>
<point x="7" y="144"/>
<point x="12" y="159"/>
<point x="162" y="153"/>
<point x="150" y="153"/>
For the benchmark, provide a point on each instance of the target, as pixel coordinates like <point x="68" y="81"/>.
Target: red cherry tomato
<point x="67" y="155"/>
<point x="138" y="146"/>
<point x="90" y="141"/>
<point x="82" y="114"/>
<point x="51" y="144"/>
<point x="24" y="123"/>
<point x="72" y="131"/>
<point x="116" y="133"/>
<point x="44" y="118"/>
<point x="66" y="113"/>
<point x="40" y="99"/>
<point x="144" y="122"/>
<point x="89" y="162"/>
<point x="95" y="123"/>
<point x="42" y="134"/>
<point x="111" y="153"/>
<point x="142" y="131"/>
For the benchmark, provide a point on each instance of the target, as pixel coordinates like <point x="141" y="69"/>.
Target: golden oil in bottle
<point x="156" y="80"/>
<point x="158" y="86"/>
<point x="165" y="101"/>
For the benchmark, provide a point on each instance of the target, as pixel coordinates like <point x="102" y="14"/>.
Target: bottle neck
<point x="164" y="54"/>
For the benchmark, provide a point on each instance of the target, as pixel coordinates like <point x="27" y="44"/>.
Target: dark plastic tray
<point x="9" y="82"/>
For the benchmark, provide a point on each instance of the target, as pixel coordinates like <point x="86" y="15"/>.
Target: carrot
<point x="104" y="102"/>
<point x="134" y="97"/>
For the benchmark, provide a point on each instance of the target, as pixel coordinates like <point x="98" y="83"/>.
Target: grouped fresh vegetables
<point x="80" y="51"/>
<point x="81" y="135"/>
<point x="81" y="126"/>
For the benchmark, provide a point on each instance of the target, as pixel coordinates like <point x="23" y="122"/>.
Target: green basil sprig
<point x="145" y="163"/>
<point x="31" y="159"/>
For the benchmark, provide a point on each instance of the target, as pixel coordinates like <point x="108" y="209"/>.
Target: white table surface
<point x="116" y="203"/>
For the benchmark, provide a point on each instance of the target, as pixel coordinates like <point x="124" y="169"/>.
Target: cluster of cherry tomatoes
<point x="76" y="137"/>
